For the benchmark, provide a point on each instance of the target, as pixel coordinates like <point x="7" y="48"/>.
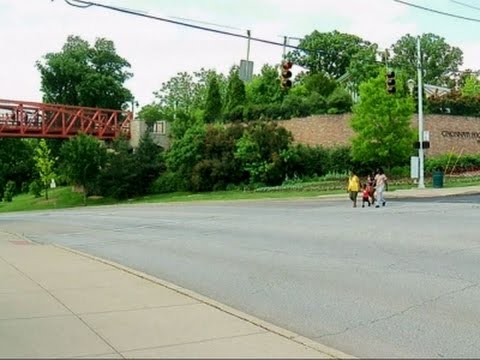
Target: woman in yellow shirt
<point x="354" y="187"/>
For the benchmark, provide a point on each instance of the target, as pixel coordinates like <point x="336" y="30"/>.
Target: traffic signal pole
<point x="421" y="176"/>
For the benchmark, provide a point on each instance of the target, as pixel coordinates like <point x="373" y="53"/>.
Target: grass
<point x="59" y="198"/>
<point x="64" y="197"/>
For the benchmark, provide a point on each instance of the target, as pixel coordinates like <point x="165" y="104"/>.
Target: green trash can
<point x="437" y="179"/>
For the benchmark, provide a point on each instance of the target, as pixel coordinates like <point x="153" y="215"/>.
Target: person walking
<point x="381" y="184"/>
<point x="353" y="187"/>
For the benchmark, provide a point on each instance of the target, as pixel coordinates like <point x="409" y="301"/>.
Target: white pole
<point x="421" y="177"/>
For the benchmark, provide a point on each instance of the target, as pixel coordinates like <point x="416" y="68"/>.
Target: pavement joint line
<point x="90" y="356"/>
<point x="197" y="342"/>
<point x="70" y="310"/>
<point x="37" y="317"/>
<point x="137" y="309"/>
<point x="334" y="353"/>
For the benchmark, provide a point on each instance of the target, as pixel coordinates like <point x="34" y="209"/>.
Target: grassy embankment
<point x="64" y="197"/>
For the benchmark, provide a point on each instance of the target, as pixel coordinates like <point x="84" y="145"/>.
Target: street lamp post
<point x="421" y="176"/>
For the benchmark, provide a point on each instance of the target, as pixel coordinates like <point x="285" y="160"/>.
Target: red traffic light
<point x="287" y="65"/>
<point x="286" y="74"/>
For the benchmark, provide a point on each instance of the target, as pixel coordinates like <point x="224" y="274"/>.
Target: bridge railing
<point x="32" y="119"/>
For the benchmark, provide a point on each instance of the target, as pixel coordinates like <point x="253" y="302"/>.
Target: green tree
<point x="82" y="158"/>
<point x="265" y="87"/>
<point x="259" y="151"/>
<point x="118" y="175"/>
<point x="149" y="163"/>
<point x="381" y="122"/>
<point x="364" y="66"/>
<point x="185" y="152"/>
<point x="44" y="163"/>
<point x="150" y="114"/>
<point x="235" y="95"/>
<point x="319" y="83"/>
<point x="213" y="103"/>
<point x="218" y="166"/>
<point x="85" y="75"/>
<point x="177" y="94"/>
<point x="186" y="93"/>
<point x="16" y="162"/>
<point x="328" y="53"/>
<point x="439" y="59"/>
<point x="471" y="86"/>
<point x="339" y="101"/>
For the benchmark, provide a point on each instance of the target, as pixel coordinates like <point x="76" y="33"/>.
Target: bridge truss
<point x="26" y="119"/>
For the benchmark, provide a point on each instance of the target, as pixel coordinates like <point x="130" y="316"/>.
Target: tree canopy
<point x="329" y="52"/>
<point x="439" y="59"/>
<point x="381" y="122"/>
<point x="85" y="75"/>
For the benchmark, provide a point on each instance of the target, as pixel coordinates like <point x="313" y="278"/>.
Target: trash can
<point x="437" y="179"/>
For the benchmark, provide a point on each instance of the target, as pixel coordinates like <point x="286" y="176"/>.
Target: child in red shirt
<point x="365" y="195"/>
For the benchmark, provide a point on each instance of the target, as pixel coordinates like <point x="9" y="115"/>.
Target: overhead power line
<point x="466" y="5"/>
<point x="86" y="4"/>
<point x="437" y="11"/>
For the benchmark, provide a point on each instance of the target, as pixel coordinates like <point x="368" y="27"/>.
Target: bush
<point x="400" y="172"/>
<point x="453" y="163"/>
<point x="340" y="100"/>
<point x="316" y="103"/>
<point x="235" y="114"/>
<point x="340" y="159"/>
<point x="295" y="106"/>
<point x="169" y="182"/>
<point x="35" y="188"/>
<point x="207" y="175"/>
<point x="9" y="191"/>
<point x="305" y="161"/>
<point x="454" y="103"/>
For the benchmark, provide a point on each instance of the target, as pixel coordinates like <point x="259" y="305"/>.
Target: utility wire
<point x="437" y="11"/>
<point x="76" y="5"/>
<point x="206" y="23"/>
<point x="85" y="4"/>
<point x="466" y="5"/>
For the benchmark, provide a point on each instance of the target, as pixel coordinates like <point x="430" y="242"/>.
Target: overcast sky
<point x="157" y="51"/>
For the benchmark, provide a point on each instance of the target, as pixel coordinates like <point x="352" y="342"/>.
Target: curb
<point x="336" y="354"/>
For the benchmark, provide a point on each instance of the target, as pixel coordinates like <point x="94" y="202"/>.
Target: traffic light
<point x="286" y="75"/>
<point x="391" y="82"/>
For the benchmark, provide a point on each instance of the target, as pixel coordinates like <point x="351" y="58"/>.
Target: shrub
<point x="316" y="103"/>
<point x="35" y="188"/>
<point x="207" y="175"/>
<point x="305" y="161"/>
<point x="340" y="100"/>
<point x="235" y="114"/>
<point x="9" y="191"/>
<point x="453" y="163"/>
<point x="454" y="103"/>
<point x="169" y="182"/>
<point x="400" y="172"/>
<point x="340" y="159"/>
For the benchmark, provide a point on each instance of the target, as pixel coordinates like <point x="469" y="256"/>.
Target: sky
<point x="157" y="50"/>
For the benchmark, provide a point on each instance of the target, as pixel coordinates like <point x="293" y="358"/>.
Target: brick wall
<point x="456" y="134"/>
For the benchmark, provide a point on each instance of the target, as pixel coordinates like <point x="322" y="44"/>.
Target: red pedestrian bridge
<point x="25" y="119"/>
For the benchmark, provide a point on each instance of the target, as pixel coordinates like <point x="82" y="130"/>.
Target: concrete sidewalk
<point x="58" y="303"/>
<point x="433" y="192"/>
<point x="419" y="193"/>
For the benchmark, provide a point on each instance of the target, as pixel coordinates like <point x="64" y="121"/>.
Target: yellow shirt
<point x="353" y="183"/>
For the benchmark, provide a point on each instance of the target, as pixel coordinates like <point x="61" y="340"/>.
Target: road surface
<point x="398" y="281"/>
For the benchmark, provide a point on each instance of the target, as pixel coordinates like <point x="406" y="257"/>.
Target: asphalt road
<point x="399" y="281"/>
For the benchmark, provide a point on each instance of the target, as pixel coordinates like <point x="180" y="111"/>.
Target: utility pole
<point x="421" y="176"/>
<point x="248" y="45"/>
